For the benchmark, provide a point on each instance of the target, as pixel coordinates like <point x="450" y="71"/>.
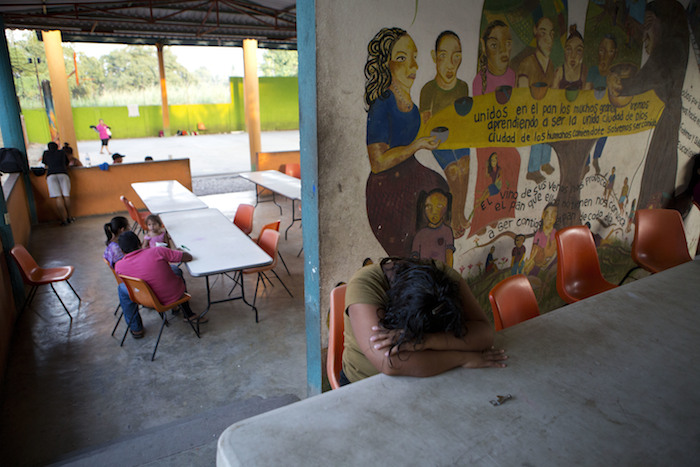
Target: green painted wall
<point x="279" y="110"/>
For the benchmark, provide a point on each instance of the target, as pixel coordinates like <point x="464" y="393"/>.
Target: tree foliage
<point x="124" y="70"/>
<point x="279" y="63"/>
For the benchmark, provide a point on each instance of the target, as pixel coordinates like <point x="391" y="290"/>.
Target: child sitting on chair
<point x="156" y="235"/>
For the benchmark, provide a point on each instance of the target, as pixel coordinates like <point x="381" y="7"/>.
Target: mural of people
<point x="435" y="240"/>
<point x="537" y="70"/>
<point x="496" y="186"/>
<point x="624" y="191"/>
<point x="572" y="74"/>
<point x="393" y="121"/>
<point x="630" y="216"/>
<point x="494" y="68"/>
<point x="544" y="245"/>
<point x="609" y="185"/>
<point x="517" y="261"/>
<point x="666" y="41"/>
<point x="597" y="79"/>
<point x="490" y="265"/>
<point x="437" y="94"/>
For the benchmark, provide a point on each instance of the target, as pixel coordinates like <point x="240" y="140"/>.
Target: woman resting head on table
<point x="415" y="318"/>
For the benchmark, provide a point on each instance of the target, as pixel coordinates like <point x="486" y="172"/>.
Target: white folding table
<point x="167" y="196"/>
<point x="277" y="182"/>
<point x="217" y="247"/>
<point x="610" y="380"/>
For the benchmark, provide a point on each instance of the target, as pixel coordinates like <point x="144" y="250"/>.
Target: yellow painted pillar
<point x="251" y="98"/>
<point x="163" y="91"/>
<point x="59" y="88"/>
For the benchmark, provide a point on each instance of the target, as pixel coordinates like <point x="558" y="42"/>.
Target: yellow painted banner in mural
<point x="526" y="118"/>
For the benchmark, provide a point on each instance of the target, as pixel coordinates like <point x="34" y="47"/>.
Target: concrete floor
<point x="70" y="388"/>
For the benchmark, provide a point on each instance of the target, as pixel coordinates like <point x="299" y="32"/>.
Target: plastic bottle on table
<point x="87" y="160"/>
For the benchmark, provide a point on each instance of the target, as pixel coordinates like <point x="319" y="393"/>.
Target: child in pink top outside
<point x="156" y="235"/>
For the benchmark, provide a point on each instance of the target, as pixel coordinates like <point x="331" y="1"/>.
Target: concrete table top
<point x="612" y="379"/>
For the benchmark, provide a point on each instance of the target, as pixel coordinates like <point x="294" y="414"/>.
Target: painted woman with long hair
<point x="494" y="59"/>
<point x="393" y="121"/>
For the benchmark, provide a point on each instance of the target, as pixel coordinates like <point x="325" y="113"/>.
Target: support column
<point x="163" y="91"/>
<point x="12" y="137"/>
<point x="308" y="133"/>
<point x="59" y="88"/>
<point x="251" y="94"/>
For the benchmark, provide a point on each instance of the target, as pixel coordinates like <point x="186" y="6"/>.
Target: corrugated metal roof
<point x="187" y="22"/>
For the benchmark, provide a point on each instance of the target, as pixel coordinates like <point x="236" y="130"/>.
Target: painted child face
<point x="403" y="63"/>
<point x="519" y="241"/>
<point x="606" y="54"/>
<point x="549" y="217"/>
<point x="435" y="208"/>
<point x="544" y="35"/>
<point x="447" y="59"/>
<point x="494" y="161"/>
<point x="498" y="46"/>
<point x="573" y="52"/>
<point x="153" y="226"/>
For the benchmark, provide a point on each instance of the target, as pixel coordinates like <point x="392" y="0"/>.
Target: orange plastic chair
<point x="276" y="227"/>
<point x="139" y="218"/>
<point x="659" y="240"/>
<point x="119" y="305"/>
<point x="293" y="170"/>
<point x="140" y="292"/>
<point x="34" y="276"/>
<point x="578" y="269"/>
<point x="244" y="218"/>
<point x="268" y="242"/>
<point x="336" y="339"/>
<point x="513" y="301"/>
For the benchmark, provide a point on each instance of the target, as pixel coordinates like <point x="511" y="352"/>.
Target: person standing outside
<point x="105" y="134"/>
<point x="436" y="95"/>
<point x="58" y="181"/>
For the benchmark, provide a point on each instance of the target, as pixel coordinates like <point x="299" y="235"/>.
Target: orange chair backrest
<point x="336" y="340"/>
<point x="244" y="218"/>
<point x="578" y="269"/>
<point x="133" y="212"/>
<point x="272" y="225"/>
<point x="293" y="170"/>
<point x="140" y="292"/>
<point x="659" y="239"/>
<point x="27" y="266"/>
<point x="513" y="301"/>
<point x="268" y="241"/>
<point x="116" y="276"/>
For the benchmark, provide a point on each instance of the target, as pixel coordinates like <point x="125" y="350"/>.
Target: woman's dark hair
<point x="421" y="300"/>
<point x="67" y="149"/>
<point x="483" y="59"/>
<point x="129" y="241"/>
<point x="114" y="226"/>
<point x="421" y="220"/>
<point x="489" y="170"/>
<point x="377" y="73"/>
<point x="444" y="34"/>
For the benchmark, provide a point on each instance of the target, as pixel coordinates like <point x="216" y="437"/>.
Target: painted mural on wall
<point x="528" y="139"/>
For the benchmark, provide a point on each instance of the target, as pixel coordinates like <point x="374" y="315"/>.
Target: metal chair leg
<point x="119" y="321"/>
<point x="76" y="293"/>
<point x="59" y="299"/>
<point x="283" y="263"/>
<point x="628" y="274"/>
<point x="283" y="284"/>
<point x="158" y="341"/>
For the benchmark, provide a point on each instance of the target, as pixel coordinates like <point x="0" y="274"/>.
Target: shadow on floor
<point x="70" y="387"/>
